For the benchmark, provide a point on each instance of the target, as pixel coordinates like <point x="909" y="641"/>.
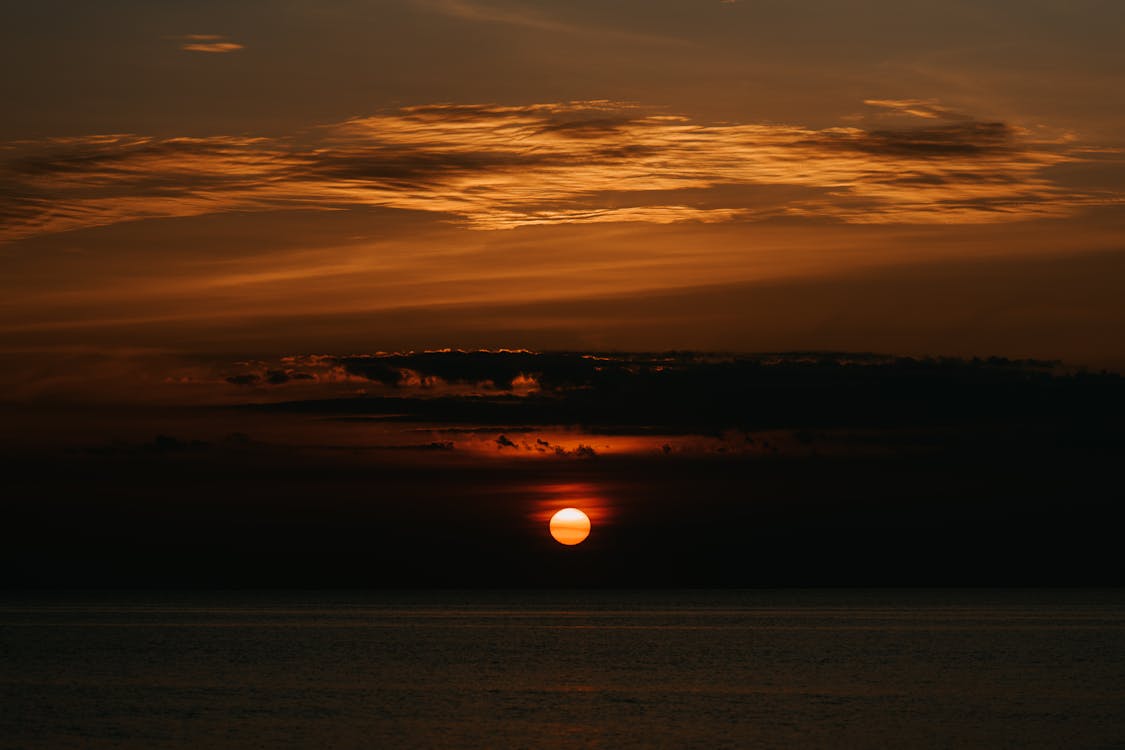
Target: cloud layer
<point x="497" y="167"/>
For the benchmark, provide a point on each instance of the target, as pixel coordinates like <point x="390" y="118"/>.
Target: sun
<point x="570" y="526"/>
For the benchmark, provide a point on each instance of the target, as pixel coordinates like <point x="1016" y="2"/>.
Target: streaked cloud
<point x="520" y="15"/>
<point x="928" y="109"/>
<point x="497" y="167"/>
<point x="208" y="43"/>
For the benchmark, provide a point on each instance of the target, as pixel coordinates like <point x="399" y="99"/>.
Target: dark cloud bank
<point x="989" y="472"/>
<point x="684" y="392"/>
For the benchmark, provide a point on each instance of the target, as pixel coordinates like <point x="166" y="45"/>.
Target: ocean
<point x="564" y="669"/>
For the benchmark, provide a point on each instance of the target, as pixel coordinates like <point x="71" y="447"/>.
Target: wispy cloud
<point x="478" y="11"/>
<point x="497" y="167"/>
<point x="208" y="43"/>
<point x="927" y="109"/>
<point x="519" y="14"/>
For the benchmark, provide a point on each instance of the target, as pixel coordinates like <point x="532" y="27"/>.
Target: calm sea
<point x="792" y="669"/>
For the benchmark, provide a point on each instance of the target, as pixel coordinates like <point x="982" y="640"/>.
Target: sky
<point x="534" y="245"/>
<point x="915" y="178"/>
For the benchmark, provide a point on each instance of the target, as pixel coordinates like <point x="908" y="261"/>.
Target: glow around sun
<point x="570" y="526"/>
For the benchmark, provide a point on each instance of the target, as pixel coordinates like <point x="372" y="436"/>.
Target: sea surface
<point x="564" y="669"/>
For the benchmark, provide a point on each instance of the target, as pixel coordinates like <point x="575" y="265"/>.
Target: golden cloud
<point x="496" y="167"/>
<point x="208" y="43"/>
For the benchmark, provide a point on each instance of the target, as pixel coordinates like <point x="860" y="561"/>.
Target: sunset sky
<point x="344" y="176"/>
<point x="208" y="207"/>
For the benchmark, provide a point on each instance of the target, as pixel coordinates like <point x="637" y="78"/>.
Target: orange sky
<point x="944" y="178"/>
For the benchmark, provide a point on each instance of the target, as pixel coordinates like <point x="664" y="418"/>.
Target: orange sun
<point x="570" y="526"/>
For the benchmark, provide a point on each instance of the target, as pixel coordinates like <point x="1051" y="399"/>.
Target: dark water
<point x="542" y="670"/>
